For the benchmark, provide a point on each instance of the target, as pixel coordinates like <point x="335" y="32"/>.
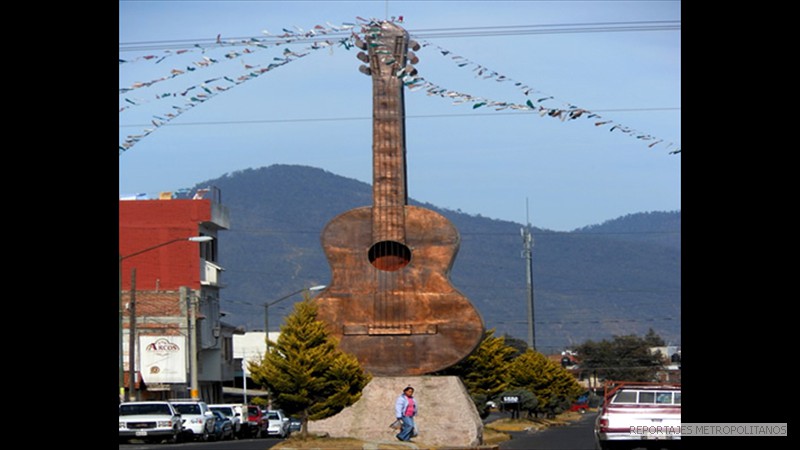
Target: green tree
<point x="553" y="386"/>
<point x="652" y="339"/>
<point x="305" y="372"/>
<point x="517" y="344"/>
<point x="482" y="371"/>
<point x="625" y="358"/>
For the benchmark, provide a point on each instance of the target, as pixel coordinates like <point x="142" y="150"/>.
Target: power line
<point x="519" y="322"/>
<point x="491" y="31"/>
<point x="343" y="119"/>
<point x="516" y="235"/>
<point x="595" y="321"/>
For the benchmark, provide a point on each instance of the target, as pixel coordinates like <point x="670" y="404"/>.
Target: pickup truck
<point x="638" y="414"/>
<point x="149" y="421"/>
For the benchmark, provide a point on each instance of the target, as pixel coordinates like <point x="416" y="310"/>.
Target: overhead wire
<point x="488" y="31"/>
<point x="326" y="35"/>
<point x="420" y="116"/>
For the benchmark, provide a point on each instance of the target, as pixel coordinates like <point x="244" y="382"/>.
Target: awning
<point x="240" y="391"/>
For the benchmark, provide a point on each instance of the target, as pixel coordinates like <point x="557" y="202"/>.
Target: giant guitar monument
<point x="390" y="301"/>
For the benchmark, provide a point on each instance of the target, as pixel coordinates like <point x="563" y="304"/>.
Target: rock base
<point x="446" y="415"/>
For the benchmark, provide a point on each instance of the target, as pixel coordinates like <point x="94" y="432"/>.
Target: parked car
<point x="639" y="414"/>
<point x="256" y="422"/>
<point x="223" y="428"/>
<point x="198" y="420"/>
<point x="294" y="425"/>
<point x="590" y="399"/>
<point x="234" y="413"/>
<point x="278" y="424"/>
<point x="580" y="405"/>
<point x="149" y="421"/>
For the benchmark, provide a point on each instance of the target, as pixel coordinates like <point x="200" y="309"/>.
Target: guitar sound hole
<point x="389" y="256"/>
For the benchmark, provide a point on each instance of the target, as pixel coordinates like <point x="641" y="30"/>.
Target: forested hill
<point x="618" y="277"/>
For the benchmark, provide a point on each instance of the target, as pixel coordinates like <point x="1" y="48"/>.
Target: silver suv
<point x="149" y="421"/>
<point x="198" y="420"/>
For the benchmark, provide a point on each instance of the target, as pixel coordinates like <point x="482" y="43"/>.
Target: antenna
<point x="527" y="217"/>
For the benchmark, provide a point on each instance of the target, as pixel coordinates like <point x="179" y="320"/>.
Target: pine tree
<point x="554" y="387"/>
<point x="305" y="372"/>
<point x="482" y="372"/>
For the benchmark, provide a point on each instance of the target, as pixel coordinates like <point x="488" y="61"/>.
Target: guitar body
<point x="409" y="321"/>
<point x="390" y="302"/>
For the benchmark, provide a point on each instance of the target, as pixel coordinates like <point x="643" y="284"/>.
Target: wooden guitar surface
<point x="408" y="322"/>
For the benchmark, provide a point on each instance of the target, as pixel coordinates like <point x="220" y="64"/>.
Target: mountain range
<point x="620" y="277"/>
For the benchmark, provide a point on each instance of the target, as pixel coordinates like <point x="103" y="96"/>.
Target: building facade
<point x="173" y="343"/>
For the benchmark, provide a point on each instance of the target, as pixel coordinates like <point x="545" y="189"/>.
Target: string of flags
<point x="202" y="92"/>
<point x="534" y="102"/>
<point x="414" y="82"/>
<point x="194" y="95"/>
<point x="252" y="45"/>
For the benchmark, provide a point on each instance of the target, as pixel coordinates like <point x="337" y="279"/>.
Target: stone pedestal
<point x="446" y="415"/>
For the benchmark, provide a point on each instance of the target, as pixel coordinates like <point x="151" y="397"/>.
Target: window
<point x="144" y="408"/>
<point x="227" y="349"/>
<point x="664" y="398"/>
<point x="208" y="250"/>
<point x="188" y="409"/>
<point x="625" y="397"/>
<point x="224" y="410"/>
<point x="647" y="397"/>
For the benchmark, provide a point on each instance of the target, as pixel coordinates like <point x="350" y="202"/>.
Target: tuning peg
<point x="413" y="45"/>
<point x="359" y="43"/>
<point x="365" y="70"/>
<point x="411" y="70"/>
<point x="412" y="58"/>
<point x="363" y="57"/>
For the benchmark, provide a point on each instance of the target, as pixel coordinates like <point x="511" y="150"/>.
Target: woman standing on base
<point x="405" y="408"/>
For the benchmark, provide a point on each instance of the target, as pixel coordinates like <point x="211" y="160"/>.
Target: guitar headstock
<point x="388" y="54"/>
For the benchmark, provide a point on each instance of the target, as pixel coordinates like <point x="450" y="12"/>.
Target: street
<point x="575" y="436"/>
<point x="578" y="435"/>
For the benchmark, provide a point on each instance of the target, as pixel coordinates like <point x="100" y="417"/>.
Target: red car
<point x="257" y="422"/>
<point x="581" y="405"/>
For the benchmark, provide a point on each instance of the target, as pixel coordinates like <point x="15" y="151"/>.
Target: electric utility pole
<point x="527" y="253"/>
<point x="132" y="394"/>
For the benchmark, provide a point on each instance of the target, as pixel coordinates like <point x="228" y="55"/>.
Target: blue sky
<point x="316" y="109"/>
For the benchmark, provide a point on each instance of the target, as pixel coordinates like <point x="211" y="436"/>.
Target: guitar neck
<point x="387" y="55"/>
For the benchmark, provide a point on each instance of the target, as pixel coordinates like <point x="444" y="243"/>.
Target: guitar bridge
<point x="389" y="330"/>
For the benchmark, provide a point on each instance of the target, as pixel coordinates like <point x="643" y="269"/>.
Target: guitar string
<point x="389" y="251"/>
<point x="382" y="193"/>
<point x="400" y="42"/>
<point x="380" y="96"/>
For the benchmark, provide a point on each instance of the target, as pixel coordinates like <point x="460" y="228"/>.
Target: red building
<point x="171" y="286"/>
